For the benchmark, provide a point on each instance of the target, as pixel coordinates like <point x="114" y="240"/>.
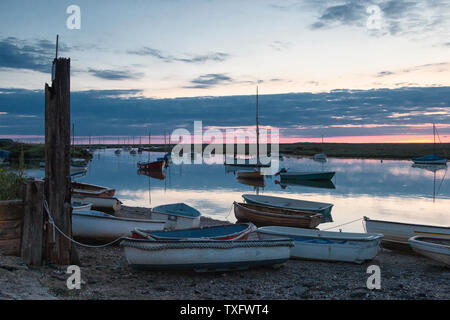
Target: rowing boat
<point x="287" y="203"/>
<point x="80" y="205"/>
<point x="99" y="226"/>
<point x="110" y="204"/>
<point x="154" y="165"/>
<point x="205" y="255"/>
<point x="327" y="245"/>
<point x="267" y="216"/>
<point x="92" y="190"/>
<point x="398" y="233"/>
<point x="250" y="174"/>
<point x="433" y="247"/>
<point x="238" y="231"/>
<point x="306" y="175"/>
<point x="177" y="215"/>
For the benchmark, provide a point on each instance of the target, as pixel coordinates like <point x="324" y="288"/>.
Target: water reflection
<point x="391" y="190"/>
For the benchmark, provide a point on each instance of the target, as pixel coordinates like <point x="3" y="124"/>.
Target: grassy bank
<point x="342" y="150"/>
<point x="366" y="150"/>
<point x="37" y="151"/>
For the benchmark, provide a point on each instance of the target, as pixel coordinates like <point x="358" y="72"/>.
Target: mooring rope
<point x="229" y="212"/>
<point x="52" y="222"/>
<point x="343" y="224"/>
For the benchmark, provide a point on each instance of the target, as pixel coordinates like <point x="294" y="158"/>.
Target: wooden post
<point x="33" y="223"/>
<point x="59" y="250"/>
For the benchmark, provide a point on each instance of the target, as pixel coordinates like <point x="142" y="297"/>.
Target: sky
<point x="353" y="71"/>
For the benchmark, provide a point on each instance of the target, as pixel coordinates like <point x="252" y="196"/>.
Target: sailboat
<point x="151" y="165"/>
<point x="256" y="172"/>
<point x="321" y="157"/>
<point x="432" y="158"/>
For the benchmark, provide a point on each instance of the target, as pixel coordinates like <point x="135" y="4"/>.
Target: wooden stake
<point x="59" y="250"/>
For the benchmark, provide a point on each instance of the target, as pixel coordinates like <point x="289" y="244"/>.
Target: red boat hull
<point x="151" y="166"/>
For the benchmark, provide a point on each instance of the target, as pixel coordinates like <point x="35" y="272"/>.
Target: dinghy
<point x="397" y="233"/>
<point x="92" y="190"/>
<point x="80" y="205"/>
<point x="99" y="226"/>
<point x="286" y="203"/>
<point x="100" y="203"/>
<point x="238" y="231"/>
<point x="305" y="175"/>
<point x="154" y="165"/>
<point x="205" y="255"/>
<point x="267" y="216"/>
<point x="250" y="174"/>
<point x="433" y="247"/>
<point x="177" y="215"/>
<point x="327" y="245"/>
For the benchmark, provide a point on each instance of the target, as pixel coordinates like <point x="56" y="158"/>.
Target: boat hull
<point x="250" y="175"/>
<point x="268" y="216"/>
<point x="326" y="245"/>
<point x="397" y="234"/>
<point x="92" y="190"/>
<point x="294" y="204"/>
<point x="434" y="251"/>
<point x="100" y="203"/>
<point x="221" y="232"/>
<point x="155" y="165"/>
<point x="104" y="227"/>
<point x="205" y="255"/>
<point x="307" y="176"/>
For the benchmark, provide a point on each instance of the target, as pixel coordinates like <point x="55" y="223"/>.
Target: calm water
<point x="390" y="190"/>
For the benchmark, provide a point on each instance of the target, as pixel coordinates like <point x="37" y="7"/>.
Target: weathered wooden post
<point x="33" y="223"/>
<point x="59" y="250"/>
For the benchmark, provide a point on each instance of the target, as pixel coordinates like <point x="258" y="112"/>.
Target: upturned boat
<point x="397" y="234"/>
<point x="99" y="226"/>
<point x="434" y="247"/>
<point x="91" y="190"/>
<point x="238" y="231"/>
<point x="205" y="255"/>
<point x="287" y="203"/>
<point x="326" y="245"/>
<point x="110" y="204"/>
<point x="267" y="216"/>
<point x="177" y="215"/>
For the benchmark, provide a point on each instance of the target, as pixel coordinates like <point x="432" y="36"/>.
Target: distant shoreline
<point x="388" y="151"/>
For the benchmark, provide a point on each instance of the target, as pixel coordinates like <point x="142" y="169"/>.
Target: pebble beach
<point x="106" y="275"/>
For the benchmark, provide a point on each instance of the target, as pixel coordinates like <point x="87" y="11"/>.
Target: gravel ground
<point x="106" y="275"/>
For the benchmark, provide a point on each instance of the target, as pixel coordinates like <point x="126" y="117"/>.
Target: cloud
<point x="109" y="74"/>
<point x="209" y="80"/>
<point x="280" y="45"/>
<point x="212" y="56"/>
<point x="412" y="17"/>
<point x="36" y="55"/>
<point x="336" y="113"/>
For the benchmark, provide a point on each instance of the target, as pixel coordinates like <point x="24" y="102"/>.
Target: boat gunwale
<point x="317" y="209"/>
<point x="405" y="223"/>
<point x="114" y="218"/>
<point x="304" y="215"/>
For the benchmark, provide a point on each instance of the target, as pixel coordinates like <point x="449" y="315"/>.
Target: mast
<point x="257" y="130"/>
<point x="434" y="138"/>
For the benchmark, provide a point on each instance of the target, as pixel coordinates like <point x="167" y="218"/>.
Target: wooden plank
<point x="11" y="229"/>
<point x="33" y="224"/>
<point x="11" y="210"/>
<point x="10" y="247"/>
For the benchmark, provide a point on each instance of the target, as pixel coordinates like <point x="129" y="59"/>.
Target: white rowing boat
<point x="99" y="226"/>
<point x="100" y="203"/>
<point x="286" y="203"/>
<point x="433" y="247"/>
<point x="326" y="245"/>
<point x="398" y="233"/>
<point x="177" y="215"/>
<point x="205" y="255"/>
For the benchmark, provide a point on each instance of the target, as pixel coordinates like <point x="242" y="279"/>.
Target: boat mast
<point x="434" y="138"/>
<point x="257" y="130"/>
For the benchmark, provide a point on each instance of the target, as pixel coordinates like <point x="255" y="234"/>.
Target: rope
<point x="229" y="212"/>
<point x="52" y="222"/>
<point x="343" y="224"/>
